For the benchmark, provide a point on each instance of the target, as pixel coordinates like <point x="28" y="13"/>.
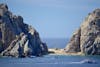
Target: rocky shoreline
<point x="85" y="40"/>
<point x="18" y="39"/>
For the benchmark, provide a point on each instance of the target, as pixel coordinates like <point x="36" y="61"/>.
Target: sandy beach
<point x="56" y="51"/>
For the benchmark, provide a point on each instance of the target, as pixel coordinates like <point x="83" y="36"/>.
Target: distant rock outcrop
<point x="18" y="39"/>
<point x="87" y="38"/>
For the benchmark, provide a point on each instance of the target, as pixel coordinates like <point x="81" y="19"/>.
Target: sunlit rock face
<point x="18" y="39"/>
<point x="87" y="38"/>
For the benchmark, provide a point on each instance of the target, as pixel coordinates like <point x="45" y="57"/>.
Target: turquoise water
<point x="49" y="61"/>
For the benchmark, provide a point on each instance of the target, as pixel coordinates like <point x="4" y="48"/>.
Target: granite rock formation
<point x="87" y="38"/>
<point x="18" y="39"/>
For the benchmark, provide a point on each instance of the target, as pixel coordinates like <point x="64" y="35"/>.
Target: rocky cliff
<point x="87" y="38"/>
<point x="18" y="39"/>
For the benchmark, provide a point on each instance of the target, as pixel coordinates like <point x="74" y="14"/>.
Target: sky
<point x="53" y="18"/>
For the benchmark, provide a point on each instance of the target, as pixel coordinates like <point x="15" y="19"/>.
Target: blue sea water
<point x="56" y="42"/>
<point x="50" y="60"/>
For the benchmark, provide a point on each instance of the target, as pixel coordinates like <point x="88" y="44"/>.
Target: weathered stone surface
<point x="87" y="38"/>
<point x="18" y="39"/>
<point x="74" y="44"/>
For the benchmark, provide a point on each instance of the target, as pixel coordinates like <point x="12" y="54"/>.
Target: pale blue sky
<point x="53" y="18"/>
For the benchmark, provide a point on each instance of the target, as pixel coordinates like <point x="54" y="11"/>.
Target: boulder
<point x="18" y="39"/>
<point x="87" y="38"/>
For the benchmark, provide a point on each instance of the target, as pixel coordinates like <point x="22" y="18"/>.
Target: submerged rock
<point x="18" y="39"/>
<point x="87" y="38"/>
<point x="88" y="61"/>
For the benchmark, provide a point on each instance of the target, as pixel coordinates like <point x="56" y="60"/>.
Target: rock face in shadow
<point x="18" y="39"/>
<point x="87" y="38"/>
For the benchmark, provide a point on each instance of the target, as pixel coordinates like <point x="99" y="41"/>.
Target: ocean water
<point x="56" y="42"/>
<point x="50" y="61"/>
